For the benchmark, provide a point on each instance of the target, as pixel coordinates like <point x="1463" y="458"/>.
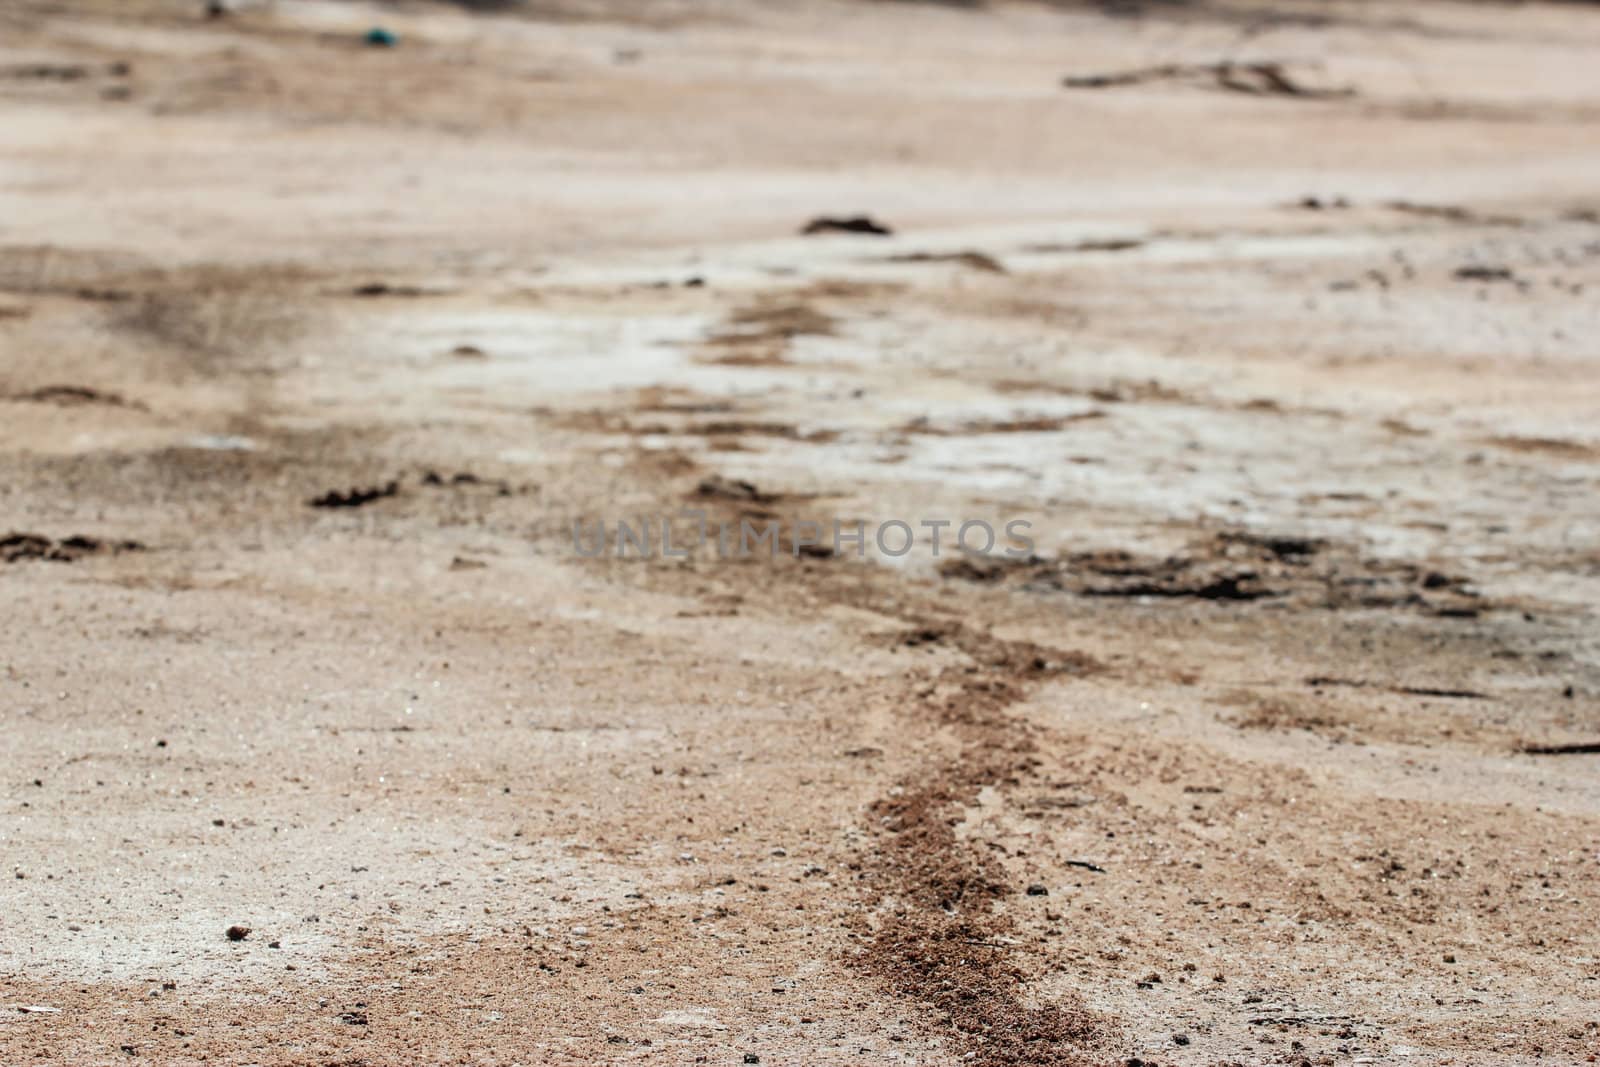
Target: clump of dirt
<point x="16" y="547"/>
<point x="355" y="497"/>
<point x="1485" y="274"/>
<point x="855" y="224"/>
<point x="376" y="289"/>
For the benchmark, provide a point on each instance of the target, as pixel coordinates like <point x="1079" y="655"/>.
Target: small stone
<point x="238" y="933"/>
<point x="1449" y="957"/>
<point x="1038" y="891"/>
<point x="1180" y="1039"/>
<point x="751" y="1057"/>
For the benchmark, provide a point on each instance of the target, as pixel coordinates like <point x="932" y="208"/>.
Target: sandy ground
<point x="1271" y="751"/>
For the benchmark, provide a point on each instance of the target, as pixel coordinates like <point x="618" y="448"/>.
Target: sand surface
<point x="1290" y="369"/>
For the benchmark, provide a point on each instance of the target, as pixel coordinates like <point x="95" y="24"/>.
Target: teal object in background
<point x="379" y="37"/>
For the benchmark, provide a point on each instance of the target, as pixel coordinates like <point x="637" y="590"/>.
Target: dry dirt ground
<point x="1276" y="324"/>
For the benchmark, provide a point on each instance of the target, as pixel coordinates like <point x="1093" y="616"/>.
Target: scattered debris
<point x="237" y="933"/>
<point x="15" y="547"/>
<point x="1087" y="866"/>
<point x="1244" y="585"/>
<point x="72" y="396"/>
<point x="1321" y="681"/>
<point x="1577" y="748"/>
<point x="1316" y="203"/>
<point x="1485" y="274"/>
<point x="1254" y="78"/>
<point x="468" y="352"/>
<point x="353" y="1018"/>
<point x="355" y="497"/>
<point x="857" y="224"/>
<point x="37" y="1009"/>
<point x="1448" y="694"/>
<point x="465" y="479"/>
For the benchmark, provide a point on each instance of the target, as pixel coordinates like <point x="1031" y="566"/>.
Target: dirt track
<point x="311" y="354"/>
